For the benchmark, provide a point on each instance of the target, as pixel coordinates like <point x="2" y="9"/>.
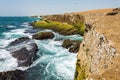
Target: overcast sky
<point x="43" y="7"/>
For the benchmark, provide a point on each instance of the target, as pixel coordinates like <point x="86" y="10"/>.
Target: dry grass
<point x="109" y="26"/>
<point x="96" y="11"/>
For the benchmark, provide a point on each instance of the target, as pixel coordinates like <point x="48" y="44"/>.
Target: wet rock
<point x="67" y="43"/>
<point x="13" y="75"/>
<point x="75" y="47"/>
<point x="43" y="35"/>
<point x="72" y="45"/>
<point x="24" y="49"/>
<point x="19" y="40"/>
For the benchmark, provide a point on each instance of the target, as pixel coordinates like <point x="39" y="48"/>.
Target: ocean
<point x="53" y="62"/>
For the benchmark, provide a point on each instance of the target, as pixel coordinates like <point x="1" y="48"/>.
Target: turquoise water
<point x="11" y="28"/>
<point x="53" y="62"/>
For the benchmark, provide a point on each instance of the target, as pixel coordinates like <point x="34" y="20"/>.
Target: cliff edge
<point x="99" y="54"/>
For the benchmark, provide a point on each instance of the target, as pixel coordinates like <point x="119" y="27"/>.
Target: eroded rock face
<point x="72" y="45"/>
<point x="24" y="49"/>
<point x="13" y="75"/>
<point x="43" y="35"/>
<point x="98" y="57"/>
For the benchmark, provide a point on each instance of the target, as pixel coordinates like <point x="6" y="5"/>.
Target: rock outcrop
<point x="72" y="45"/>
<point x="13" y="75"/>
<point x="65" y="24"/>
<point x="24" y="49"/>
<point x="43" y="35"/>
<point x="99" y="54"/>
<point x="114" y="12"/>
<point x="70" y="18"/>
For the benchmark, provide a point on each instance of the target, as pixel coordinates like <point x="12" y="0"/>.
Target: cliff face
<point x="99" y="54"/>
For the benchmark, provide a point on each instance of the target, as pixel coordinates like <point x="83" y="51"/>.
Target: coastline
<point x="98" y="53"/>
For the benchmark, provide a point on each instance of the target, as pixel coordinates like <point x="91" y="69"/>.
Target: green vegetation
<point x="80" y="26"/>
<point x="80" y="72"/>
<point x="62" y="28"/>
<point x="52" y="25"/>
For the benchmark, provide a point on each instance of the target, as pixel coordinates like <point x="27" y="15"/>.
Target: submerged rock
<point x="24" y="49"/>
<point x="43" y="35"/>
<point x="13" y="75"/>
<point x="72" y="45"/>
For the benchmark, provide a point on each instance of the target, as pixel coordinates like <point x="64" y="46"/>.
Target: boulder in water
<point x="72" y="45"/>
<point x="13" y="75"/>
<point x="24" y="49"/>
<point x="67" y="43"/>
<point x="75" y="47"/>
<point x="43" y="35"/>
<point x="19" y="41"/>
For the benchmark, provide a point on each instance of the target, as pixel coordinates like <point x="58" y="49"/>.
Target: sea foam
<point x="7" y="62"/>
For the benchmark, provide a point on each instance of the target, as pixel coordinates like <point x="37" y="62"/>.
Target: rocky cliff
<point x="70" y="18"/>
<point x="99" y="54"/>
<point x="65" y="24"/>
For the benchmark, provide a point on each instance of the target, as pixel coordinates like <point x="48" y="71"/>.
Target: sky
<point x="44" y="7"/>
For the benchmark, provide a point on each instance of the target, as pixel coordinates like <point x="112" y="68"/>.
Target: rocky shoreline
<point x="65" y="24"/>
<point x="24" y="49"/>
<point x="98" y="54"/>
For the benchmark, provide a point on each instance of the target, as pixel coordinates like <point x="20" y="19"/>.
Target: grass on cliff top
<point x="62" y="28"/>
